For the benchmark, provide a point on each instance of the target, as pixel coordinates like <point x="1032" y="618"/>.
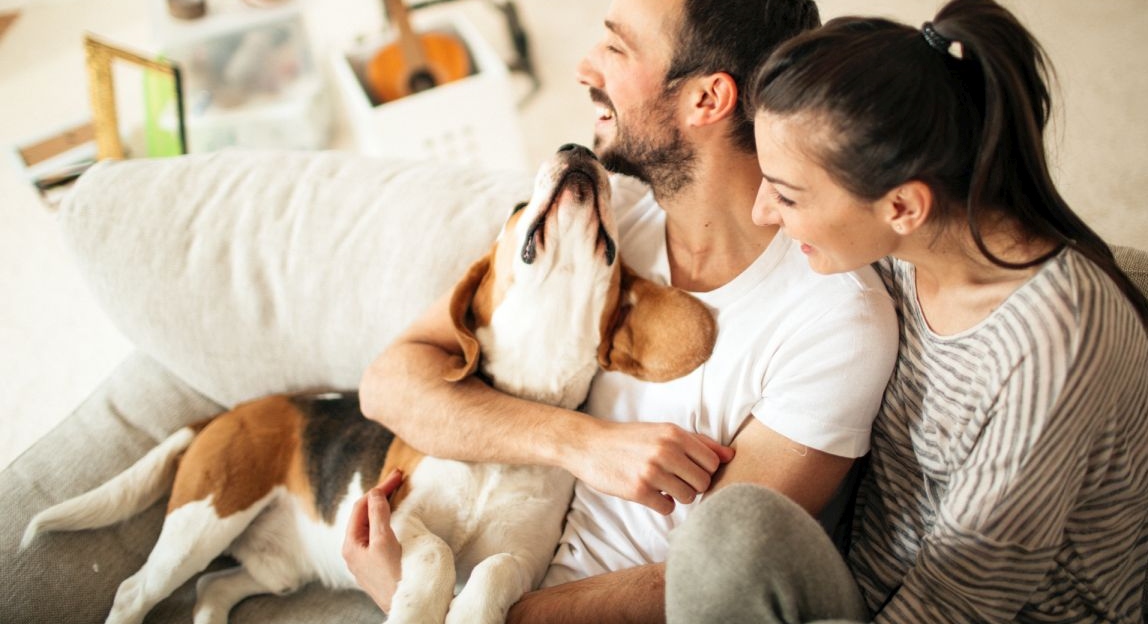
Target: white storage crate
<point x="473" y="120"/>
<point x="249" y="77"/>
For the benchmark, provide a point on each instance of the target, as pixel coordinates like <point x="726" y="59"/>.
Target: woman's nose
<point x="763" y="212"/>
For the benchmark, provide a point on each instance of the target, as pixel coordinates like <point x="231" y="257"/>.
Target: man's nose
<point x="586" y="73"/>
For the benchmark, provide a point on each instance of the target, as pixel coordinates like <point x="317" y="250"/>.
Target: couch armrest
<point x="1134" y="263"/>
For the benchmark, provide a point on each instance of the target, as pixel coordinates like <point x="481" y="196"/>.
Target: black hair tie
<point x="941" y="43"/>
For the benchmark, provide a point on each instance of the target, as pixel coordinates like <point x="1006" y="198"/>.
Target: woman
<point x="1009" y="467"/>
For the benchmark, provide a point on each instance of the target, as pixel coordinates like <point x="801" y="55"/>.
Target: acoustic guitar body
<point x="391" y="75"/>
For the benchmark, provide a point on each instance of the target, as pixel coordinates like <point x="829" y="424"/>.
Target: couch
<point x="236" y="274"/>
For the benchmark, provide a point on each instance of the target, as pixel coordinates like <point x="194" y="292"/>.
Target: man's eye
<point x="519" y="206"/>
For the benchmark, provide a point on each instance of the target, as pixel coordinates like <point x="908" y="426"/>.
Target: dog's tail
<point x="125" y="495"/>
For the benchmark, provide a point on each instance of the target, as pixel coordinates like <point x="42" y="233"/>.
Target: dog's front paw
<point x="406" y="609"/>
<point x="495" y="584"/>
<point x="468" y="610"/>
<point x="406" y="616"/>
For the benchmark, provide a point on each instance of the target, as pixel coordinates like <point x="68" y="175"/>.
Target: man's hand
<point x="370" y="548"/>
<point x="653" y="464"/>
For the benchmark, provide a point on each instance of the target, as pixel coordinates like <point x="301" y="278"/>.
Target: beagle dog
<point x="273" y="481"/>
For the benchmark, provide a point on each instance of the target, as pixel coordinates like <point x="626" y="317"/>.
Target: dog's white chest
<point x="542" y="343"/>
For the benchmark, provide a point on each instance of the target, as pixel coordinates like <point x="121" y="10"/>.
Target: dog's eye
<point x="520" y="206"/>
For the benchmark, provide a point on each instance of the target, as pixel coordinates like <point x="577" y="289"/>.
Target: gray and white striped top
<point x="1009" y="476"/>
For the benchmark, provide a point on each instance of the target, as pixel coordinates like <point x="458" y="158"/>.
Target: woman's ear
<point x="715" y="97"/>
<point x="908" y="206"/>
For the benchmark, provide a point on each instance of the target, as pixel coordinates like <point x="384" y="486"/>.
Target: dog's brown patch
<point x="401" y="456"/>
<point x="299" y="485"/>
<point x="612" y="315"/>
<point x="659" y="333"/>
<point x="239" y="456"/>
<point x="478" y="294"/>
<point x="500" y="276"/>
<point x="339" y="445"/>
<point x="467" y="307"/>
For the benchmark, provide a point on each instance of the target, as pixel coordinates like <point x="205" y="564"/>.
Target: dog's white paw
<point x="470" y="608"/>
<point x="399" y="616"/>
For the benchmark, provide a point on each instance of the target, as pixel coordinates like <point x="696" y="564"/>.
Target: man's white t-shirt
<point x="808" y="355"/>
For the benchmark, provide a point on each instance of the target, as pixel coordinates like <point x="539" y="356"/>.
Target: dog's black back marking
<point x="339" y="442"/>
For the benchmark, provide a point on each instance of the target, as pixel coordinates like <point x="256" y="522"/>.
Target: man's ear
<point x="462" y="315"/>
<point x="659" y="333"/>
<point x="714" y="97"/>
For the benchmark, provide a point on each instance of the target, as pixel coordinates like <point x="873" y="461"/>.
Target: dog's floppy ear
<point x="462" y="314"/>
<point x="658" y="333"/>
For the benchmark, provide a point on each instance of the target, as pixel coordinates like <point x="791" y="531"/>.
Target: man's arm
<point x="764" y="457"/>
<point x="636" y="594"/>
<point x="404" y="389"/>
<point x="626" y="596"/>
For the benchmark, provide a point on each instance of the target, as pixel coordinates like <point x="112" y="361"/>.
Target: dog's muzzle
<point x="581" y="178"/>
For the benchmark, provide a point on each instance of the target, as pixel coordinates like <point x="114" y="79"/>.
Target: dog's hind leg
<point x="218" y="592"/>
<point x="192" y="536"/>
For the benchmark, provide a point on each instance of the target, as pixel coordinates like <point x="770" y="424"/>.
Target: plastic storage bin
<point x="249" y="78"/>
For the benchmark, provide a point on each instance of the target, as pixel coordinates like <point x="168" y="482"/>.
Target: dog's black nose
<point x="574" y="147"/>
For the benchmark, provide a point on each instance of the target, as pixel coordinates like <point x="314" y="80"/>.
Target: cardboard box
<point x="473" y="120"/>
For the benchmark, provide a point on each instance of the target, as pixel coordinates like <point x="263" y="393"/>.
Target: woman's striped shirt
<point x="1009" y="473"/>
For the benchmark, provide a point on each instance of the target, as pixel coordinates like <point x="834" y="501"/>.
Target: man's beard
<point x="662" y="159"/>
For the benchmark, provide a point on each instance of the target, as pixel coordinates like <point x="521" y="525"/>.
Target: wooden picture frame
<point x="99" y="57"/>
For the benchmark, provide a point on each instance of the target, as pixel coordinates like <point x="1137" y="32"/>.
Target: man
<point x="797" y="374"/>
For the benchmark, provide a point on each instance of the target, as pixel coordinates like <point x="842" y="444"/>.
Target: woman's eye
<point x="783" y="200"/>
<point x="519" y="206"/>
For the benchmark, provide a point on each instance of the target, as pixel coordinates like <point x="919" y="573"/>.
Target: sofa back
<point x="251" y="272"/>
